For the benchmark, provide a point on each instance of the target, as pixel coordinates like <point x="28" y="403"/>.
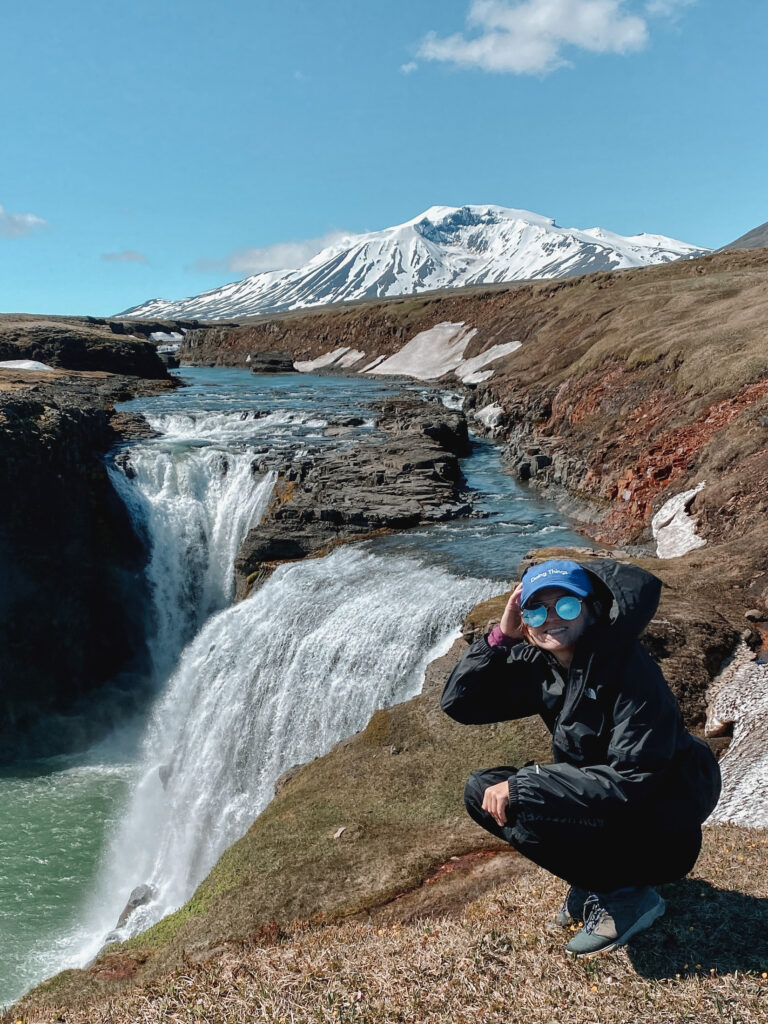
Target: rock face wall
<point x="70" y="563"/>
<point x="408" y="473"/>
<point x="78" y="345"/>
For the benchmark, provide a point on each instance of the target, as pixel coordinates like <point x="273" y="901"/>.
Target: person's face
<point x="557" y="635"/>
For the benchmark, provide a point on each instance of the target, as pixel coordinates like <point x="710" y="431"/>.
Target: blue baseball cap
<point x="558" y="573"/>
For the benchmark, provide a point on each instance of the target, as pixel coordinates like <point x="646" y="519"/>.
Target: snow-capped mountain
<point x="445" y="247"/>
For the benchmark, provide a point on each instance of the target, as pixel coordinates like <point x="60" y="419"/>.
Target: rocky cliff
<point x="70" y="604"/>
<point x="407" y="473"/>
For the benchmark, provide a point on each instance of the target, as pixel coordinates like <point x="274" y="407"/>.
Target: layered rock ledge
<point x="406" y="473"/>
<point x="72" y="565"/>
<point x="77" y="344"/>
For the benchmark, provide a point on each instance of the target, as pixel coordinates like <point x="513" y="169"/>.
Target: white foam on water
<point x="230" y="427"/>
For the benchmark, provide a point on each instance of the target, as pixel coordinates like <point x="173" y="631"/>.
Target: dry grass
<point x="705" y="961"/>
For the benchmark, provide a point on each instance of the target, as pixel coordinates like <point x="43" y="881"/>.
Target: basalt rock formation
<point x="407" y="473"/>
<point x="71" y="564"/>
<point x="76" y="344"/>
<point x="272" y="362"/>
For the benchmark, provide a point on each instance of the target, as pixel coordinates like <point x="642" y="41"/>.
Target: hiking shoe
<point x="572" y="909"/>
<point x="612" y="918"/>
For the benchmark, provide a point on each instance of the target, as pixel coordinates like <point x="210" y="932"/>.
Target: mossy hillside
<point x="492" y="959"/>
<point x="698" y="326"/>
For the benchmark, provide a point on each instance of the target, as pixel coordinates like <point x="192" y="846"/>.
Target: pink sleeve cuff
<point x="498" y="639"/>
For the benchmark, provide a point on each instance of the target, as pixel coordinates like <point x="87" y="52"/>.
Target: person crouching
<point x="620" y="808"/>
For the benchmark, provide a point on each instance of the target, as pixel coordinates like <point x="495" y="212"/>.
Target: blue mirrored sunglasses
<point x="568" y="607"/>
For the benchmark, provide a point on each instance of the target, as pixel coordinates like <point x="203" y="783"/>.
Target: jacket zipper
<point x="574" y="701"/>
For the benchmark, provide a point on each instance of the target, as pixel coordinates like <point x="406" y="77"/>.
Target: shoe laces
<point x="594" y="912"/>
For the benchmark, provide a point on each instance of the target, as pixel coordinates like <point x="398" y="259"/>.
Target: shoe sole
<point x="640" y="925"/>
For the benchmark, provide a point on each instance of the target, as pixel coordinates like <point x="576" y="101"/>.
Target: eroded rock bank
<point x="71" y="564"/>
<point x="405" y="473"/>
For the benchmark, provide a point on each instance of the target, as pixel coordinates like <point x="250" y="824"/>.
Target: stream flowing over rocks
<point x="274" y="680"/>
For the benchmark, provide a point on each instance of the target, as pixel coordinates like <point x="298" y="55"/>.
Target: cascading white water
<point x="195" y="506"/>
<point x="273" y="681"/>
<point x="223" y="426"/>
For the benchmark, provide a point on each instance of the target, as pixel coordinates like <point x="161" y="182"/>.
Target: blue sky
<point x="160" y="148"/>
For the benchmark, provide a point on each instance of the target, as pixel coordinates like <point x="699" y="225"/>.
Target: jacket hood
<point x="634" y="595"/>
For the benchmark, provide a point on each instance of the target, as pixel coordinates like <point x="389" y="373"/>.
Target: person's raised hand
<point x="512" y="621"/>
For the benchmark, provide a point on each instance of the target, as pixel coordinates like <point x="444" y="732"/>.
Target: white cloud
<point x="281" y="256"/>
<point x="528" y="36"/>
<point x="409" y="68"/>
<point x="16" y="225"/>
<point x="126" y="256"/>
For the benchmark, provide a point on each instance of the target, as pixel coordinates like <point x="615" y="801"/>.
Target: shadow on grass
<point x="704" y="929"/>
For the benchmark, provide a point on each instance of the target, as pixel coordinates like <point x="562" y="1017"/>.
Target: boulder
<point x="271" y="362"/>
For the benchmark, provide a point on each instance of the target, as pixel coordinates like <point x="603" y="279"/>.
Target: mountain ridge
<point x="757" y="238"/>
<point x="444" y="247"/>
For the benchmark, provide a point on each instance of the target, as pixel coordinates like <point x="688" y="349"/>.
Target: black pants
<point x="597" y="856"/>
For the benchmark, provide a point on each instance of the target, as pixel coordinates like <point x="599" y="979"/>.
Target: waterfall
<point x="194" y="506"/>
<point x="273" y="681"/>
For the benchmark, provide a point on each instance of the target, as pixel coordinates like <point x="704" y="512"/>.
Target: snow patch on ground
<point x="353" y="356"/>
<point x="440" y="350"/>
<point x="327" y="359"/>
<point x="23" y="364"/>
<point x="476" y="378"/>
<point x="430" y="354"/>
<point x="490" y="415"/>
<point x="427" y="356"/>
<point x="739" y="696"/>
<point x="674" y="529"/>
<point x="469" y="369"/>
<point x="375" y="362"/>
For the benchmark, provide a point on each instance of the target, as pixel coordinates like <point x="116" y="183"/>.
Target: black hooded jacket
<point x="620" y="747"/>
